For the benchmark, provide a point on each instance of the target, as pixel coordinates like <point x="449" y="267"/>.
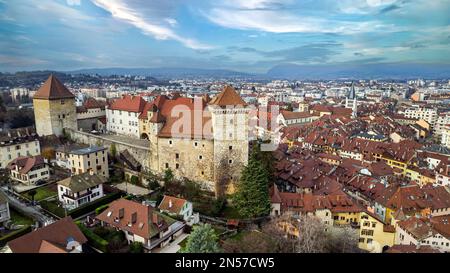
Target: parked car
<point x="40" y="182"/>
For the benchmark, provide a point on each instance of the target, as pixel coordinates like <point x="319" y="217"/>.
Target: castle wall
<point x="188" y="158"/>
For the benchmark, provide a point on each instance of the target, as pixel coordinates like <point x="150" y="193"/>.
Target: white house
<point x="122" y="116"/>
<point x="29" y="170"/>
<point x="176" y="206"/>
<point x="4" y="209"/>
<point x="434" y="232"/>
<point x="80" y="189"/>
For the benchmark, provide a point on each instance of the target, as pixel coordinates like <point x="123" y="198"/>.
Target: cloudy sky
<point x="243" y="35"/>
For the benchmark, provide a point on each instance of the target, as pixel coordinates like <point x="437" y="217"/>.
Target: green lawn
<point x="20" y="219"/>
<point x="41" y="193"/>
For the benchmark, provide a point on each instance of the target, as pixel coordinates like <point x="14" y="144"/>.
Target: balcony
<point x="71" y="196"/>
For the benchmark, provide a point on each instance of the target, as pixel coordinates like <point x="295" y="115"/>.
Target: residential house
<point x="141" y="223"/>
<point x="29" y="170"/>
<point x="423" y="231"/>
<point x="176" y="206"/>
<point x="62" y="236"/>
<point x="80" y="189"/>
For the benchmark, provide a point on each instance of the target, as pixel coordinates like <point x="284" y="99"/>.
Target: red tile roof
<point x="53" y="89"/>
<point x="227" y="97"/>
<point x="172" y="204"/>
<point x="129" y="104"/>
<point x="25" y="163"/>
<point x="120" y="214"/>
<point x="47" y="238"/>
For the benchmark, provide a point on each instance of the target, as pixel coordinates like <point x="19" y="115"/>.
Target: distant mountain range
<point x="291" y="71"/>
<point x="360" y="71"/>
<point x="163" y="72"/>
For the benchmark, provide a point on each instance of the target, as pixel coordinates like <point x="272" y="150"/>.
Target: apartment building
<point x="84" y="160"/>
<point x="17" y="143"/>
<point x="428" y="114"/>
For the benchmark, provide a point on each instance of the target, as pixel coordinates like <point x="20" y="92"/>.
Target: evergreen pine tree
<point x="203" y="239"/>
<point x="252" y="195"/>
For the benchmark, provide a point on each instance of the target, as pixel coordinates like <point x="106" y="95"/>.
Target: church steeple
<point x="350" y="100"/>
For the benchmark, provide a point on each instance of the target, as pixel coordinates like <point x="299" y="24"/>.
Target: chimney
<point x="170" y="203"/>
<point x="91" y="171"/>
<point x="121" y="213"/>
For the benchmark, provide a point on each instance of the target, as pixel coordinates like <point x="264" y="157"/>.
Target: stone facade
<point x="54" y="108"/>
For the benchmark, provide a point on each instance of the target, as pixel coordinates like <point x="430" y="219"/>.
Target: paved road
<point x="34" y="212"/>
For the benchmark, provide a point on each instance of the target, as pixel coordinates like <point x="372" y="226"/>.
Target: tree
<point x="312" y="235"/>
<point x="343" y="240"/>
<point x="203" y="239"/>
<point x="49" y="153"/>
<point x="266" y="158"/>
<point x="168" y="176"/>
<point x="252" y="195"/>
<point x="113" y="150"/>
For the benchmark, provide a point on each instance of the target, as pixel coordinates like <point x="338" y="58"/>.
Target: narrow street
<point x="34" y="212"/>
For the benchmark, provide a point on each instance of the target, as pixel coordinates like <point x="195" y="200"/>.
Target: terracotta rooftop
<point x="49" y="239"/>
<point x="172" y="204"/>
<point x="135" y="217"/>
<point x="227" y="97"/>
<point x="129" y="103"/>
<point x="25" y="164"/>
<point x="53" y="89"/>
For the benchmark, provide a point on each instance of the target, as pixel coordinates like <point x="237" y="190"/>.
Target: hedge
<point x="95" y="240"/>
<point x="101" y="209"/>
<point x="13" y="235"/>
<point x="53" y="208"/>
<point x="80" y="211"/>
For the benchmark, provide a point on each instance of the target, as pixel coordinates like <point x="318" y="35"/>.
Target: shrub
<point x="136" y="247"/>
<point x="95" y="240"/>
<point x="134" y="180"/>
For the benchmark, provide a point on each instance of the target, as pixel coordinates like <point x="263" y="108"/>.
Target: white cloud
<point x="154" y="27"/>
<point x="73" y="2"/>
<point x="280" y="21"/>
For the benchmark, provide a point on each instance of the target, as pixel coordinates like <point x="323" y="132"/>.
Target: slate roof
<point x="82" y="181"/>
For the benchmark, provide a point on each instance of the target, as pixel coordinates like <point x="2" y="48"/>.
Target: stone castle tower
<point x="229" y="114"/>
<point x="54" y="108"/>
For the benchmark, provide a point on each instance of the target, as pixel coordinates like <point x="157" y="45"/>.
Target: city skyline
<point x="248" y="36"/>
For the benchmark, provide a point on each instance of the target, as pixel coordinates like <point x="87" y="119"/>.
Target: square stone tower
<point x="54" y="108"/>
<point x="229" y="114"/>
